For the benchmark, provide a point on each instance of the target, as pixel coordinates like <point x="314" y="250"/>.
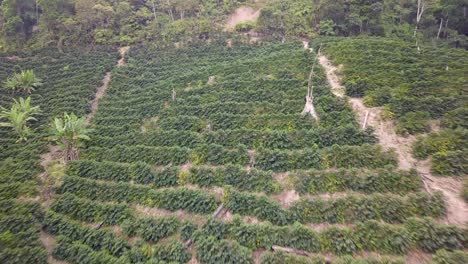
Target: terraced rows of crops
<point x="182" y="131"/>
<point x="414" y="87"/>
<point x="69" y="83"/>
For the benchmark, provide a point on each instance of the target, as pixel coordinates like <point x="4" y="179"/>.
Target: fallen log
<point x="297" y="252"/>
<point x="220" y="211"/>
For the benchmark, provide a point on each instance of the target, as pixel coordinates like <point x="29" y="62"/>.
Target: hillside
<point x="179" y="135"/>
<point x="233" y="132"/>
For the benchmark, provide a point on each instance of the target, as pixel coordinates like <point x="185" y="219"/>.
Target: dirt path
<point x="105" y="84"/>
<point x="457" y="209"/>
<point x="54" y="154"/>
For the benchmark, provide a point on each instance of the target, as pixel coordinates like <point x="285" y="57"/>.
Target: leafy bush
<point x="211" y="250"/>
<point x="171" y="251"/>
<point x="151" y="229"/>
<point x="195" y="201"/>
<point x="56" y="224"/>
<point x="359" y="180"/>
<point x="258" y="206"/>
<point x="456" y="257"/>
<point x="413" y="123"/>
<point x="280" y="257"/>
<point x="430" y="237"/>
<point x="76" y="252"/>
<point x="90" y="211"/>
<point x="245" y="26"/>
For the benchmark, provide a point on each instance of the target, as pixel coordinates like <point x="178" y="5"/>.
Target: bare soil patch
<point x="242" y="14"/>
<point x="49" y="243"/>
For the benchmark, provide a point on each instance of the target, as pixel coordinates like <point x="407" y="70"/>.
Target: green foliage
<point x="446" y="257"/>
<point x="171" y="251"/>
<point x="211" y="250"/>
<point x="359" y="180"/>
<point x="76" y="252"/>
<point x="258" y="206"/>
<point x="280" y="257"/>
<point x="24" y="82"/>
<point x="327" y="28"/>
<point x="456" y="118"/>
<point x="349" y="209"/>
<point x="194" y="201"/>
<point x="465" y="190"/>
<point x="447" y="148"/>
<point x="90" y="211"/>
<point x="151" y="229"/>
<point x="245" y="26"/>
<point x="413" y="123"/>
<point x="187" y="230"/>
<point x="370" y="156"/>
<point x="69" y="133"/>
<point x="388" y="208"/>
<point x="430" y="237"/>
<point x="378" y="69"/>
<point x="18" y="116"/>
<point x="56" y="224"/>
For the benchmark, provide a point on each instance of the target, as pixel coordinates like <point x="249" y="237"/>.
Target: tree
<point x="69" y="132"/>
<point x="25" y="82"/>
<point x="18" y="116"/>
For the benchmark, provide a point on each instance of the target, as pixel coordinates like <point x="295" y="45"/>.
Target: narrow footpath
<point x="457" y="209"/>
<point x="54" y="154"/>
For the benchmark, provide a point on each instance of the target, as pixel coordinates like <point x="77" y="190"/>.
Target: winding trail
<point x="457" y="210"/>
<point x="55" y="154"/>
<point x="105" y="84"/>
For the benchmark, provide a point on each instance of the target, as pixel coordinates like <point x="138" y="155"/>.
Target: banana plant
<point x="24" y="82"/>
<point x="69" y="133"/>
<point x="18" y="116"/>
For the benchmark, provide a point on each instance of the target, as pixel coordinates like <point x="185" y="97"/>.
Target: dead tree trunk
<point x="440" y="27"/>
<point x="309" y="98"/>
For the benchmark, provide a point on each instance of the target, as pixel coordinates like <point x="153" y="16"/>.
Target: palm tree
<point x="18" y="116"/>
<point x="25" y="82"/>
<point x="69" y="132"/>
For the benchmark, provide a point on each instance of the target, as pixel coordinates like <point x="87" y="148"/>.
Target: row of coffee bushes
<point x="69" y="80"/>
<point x="280" y="257"/>
<point x="374" y="236"/>
<point x="203" y="176"/>
<point x="171" y="251"/>
<point x="173" y="199"/>
<point x="382" y="180"/>
<point x="365" y="156"/>
<point x="90" y="211"/>
<point x="351" y="208"/>
<point x="251" y="138"/>
<point x="19" y="232"/>
<point x="370" y="156"/>
<point x="399" y="75"/>
<point x="448" y="151"/>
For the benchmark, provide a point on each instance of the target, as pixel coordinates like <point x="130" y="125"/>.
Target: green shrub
<point x="151" y="229"/>
<point x="446" y="257"/>
<point x="56" y="224"/>
<point x="413" y="123"/>
<point x="171" y="251"/>
<point x="245" y="26"/>
<point x="212" y="251"/>
<point x="90" y="211"/>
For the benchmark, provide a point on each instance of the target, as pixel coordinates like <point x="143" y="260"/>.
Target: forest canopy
<point x="40" y="23"/>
